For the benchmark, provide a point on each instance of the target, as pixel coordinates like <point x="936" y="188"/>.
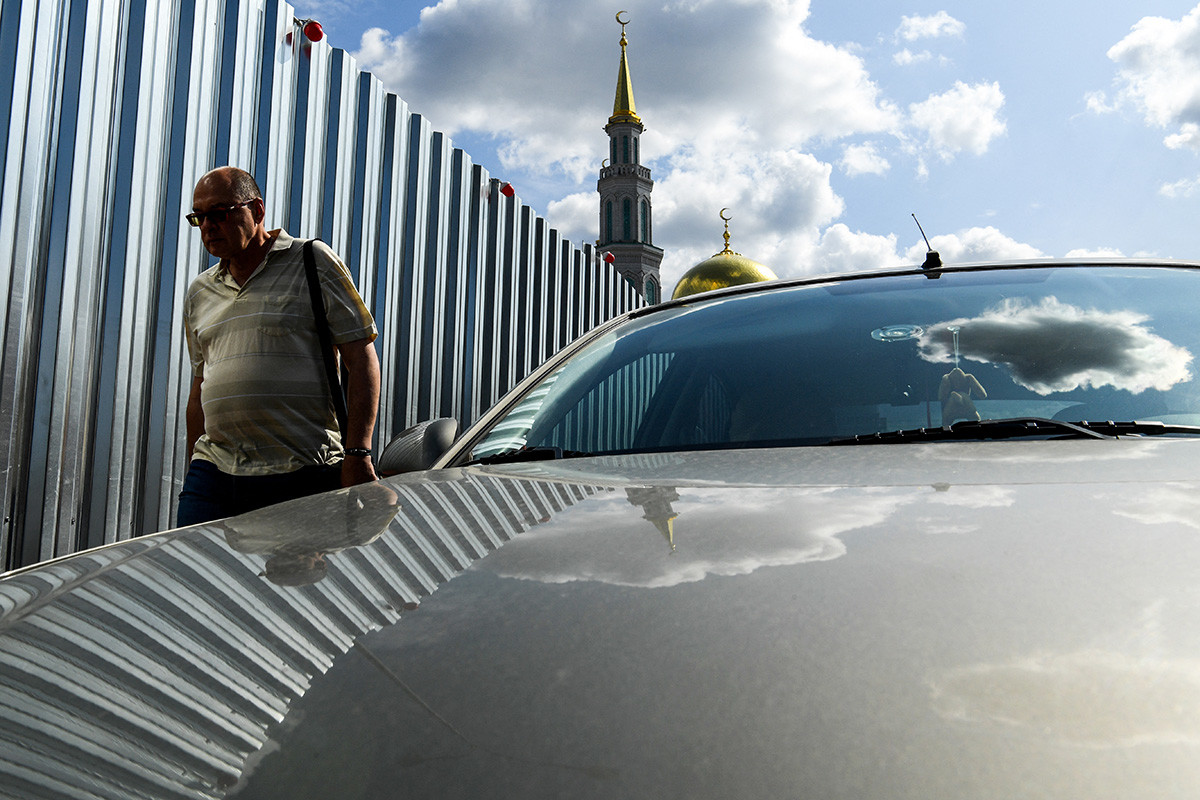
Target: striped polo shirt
<point x="266" y="400"/>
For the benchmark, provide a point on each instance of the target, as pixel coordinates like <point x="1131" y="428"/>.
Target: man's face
<point x="232" y="236"/>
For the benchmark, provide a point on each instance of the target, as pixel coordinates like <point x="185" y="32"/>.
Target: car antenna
<point x="933" y="261"/>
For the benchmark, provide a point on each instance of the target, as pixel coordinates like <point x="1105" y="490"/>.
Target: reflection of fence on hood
<point x="116" y="110"/>
<point x="155" y="668"/>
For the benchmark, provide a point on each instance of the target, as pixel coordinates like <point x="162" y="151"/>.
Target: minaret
<point x="625" y="186"/>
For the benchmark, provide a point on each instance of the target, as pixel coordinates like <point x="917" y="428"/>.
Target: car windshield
<point x="814" y="363"/>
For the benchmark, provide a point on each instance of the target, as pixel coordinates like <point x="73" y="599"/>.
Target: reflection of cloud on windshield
<point x="1052" y="346"/>
<point x="712" y="537"/>
<point x="1088" y="698"/>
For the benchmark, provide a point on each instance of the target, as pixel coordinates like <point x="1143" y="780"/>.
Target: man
<point x="261" y="425"/>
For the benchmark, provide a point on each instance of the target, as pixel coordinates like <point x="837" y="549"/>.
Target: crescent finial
<point x="722" y="215"/>
<point x="622" y="22"/>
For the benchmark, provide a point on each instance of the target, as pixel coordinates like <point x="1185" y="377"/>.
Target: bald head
<point x="238" y="184"/>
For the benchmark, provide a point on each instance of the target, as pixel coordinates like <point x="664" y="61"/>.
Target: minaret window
<point x="635" y="150"/>
<point x="627" y="213"/>
<point x="608" y="237"/>
<point x="651" y="291"/>
<point x="625" y="149"/>
<point x="612" y="150"/>
<point x="645" y="220"/>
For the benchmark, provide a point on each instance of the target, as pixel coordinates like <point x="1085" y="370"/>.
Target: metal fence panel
<point x="117" y="108"/>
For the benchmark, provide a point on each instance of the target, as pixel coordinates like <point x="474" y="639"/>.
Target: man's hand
<point x="356" y="470"/>
<point x="362" y="404"/>
<point x="194" y="416"/>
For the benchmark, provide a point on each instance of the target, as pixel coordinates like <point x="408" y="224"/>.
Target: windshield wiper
<point x="530" y="454"/>
<point x="1135" y="428"/>
<point x="1020" y="427"/>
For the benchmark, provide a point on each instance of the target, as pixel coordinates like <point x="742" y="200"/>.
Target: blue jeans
<point x="210" y="494"/>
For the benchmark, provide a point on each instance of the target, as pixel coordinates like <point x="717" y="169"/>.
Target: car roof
<point x="887" y="272"/>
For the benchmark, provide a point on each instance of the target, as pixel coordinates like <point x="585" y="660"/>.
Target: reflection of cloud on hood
<point x="972" y="498"/>
<point x="1146" y="450"/>
<point x="950" y="529"/>
<point x="1087" y="699"/>
<point x="976" y="496"/>
<point x="1052" y="346"/>
<point x="1177" y="505"/>
<point x="729" y="532"/>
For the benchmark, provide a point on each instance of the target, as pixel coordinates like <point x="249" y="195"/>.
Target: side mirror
<point x="417" y="447"/>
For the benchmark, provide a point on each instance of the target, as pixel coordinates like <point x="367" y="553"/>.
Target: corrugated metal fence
<point x="117" y="107"/>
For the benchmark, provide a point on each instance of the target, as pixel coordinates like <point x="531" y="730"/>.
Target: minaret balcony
<point x="636" y="170"/>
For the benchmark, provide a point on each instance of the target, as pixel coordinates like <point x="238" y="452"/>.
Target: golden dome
<point x="726" y="268"/>
<point x="723" y="269"/>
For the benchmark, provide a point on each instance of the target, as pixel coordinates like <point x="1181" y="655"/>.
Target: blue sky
<point x="1012" y="129"/>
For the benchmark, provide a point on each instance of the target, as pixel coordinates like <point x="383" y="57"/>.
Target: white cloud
<point x="863" y="159"/>
<point x="931" y="27"/>
<point x="1098" y="103"/>
<point x="575" y="212"/>
<point x="458" y="68"/>
<point x="906" y="57"/>
<point x="1096" y="252"/>
<point x="963" y="118"/>
<point x="1159" y="76"/>
<point x="974" y="244"/>
<point x="843" y="250"/>
<point x="1188" y="137"/>
<point x="1187" y="187"/>
<point x="537" y="83"/>
<point x="778" y="200"/>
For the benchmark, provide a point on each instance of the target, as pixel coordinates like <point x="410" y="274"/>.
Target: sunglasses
<point x="217" y="215"/>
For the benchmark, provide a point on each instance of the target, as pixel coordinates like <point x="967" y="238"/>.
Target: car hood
<point x="909" y="621"/>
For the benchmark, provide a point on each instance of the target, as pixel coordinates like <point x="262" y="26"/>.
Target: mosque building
<point x="626" y="231"/>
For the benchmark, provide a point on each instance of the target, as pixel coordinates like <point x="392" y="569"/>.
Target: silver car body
<point x="965" y="619"/>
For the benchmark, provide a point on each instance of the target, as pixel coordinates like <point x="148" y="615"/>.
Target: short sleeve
<point x="349" y="319"/>
<point x="195" y="351"/>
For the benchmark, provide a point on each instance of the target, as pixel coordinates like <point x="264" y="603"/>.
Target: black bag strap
<point x="323" y="335"/>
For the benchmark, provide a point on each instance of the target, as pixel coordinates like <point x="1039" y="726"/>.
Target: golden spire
<point x="623" y="107"/>
<point x="666" y="526"/>
<point x="726" y="251"/>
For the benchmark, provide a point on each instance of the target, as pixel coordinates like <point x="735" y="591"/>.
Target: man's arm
<point x="362" y="405"/>
<point x="195" y="416"/>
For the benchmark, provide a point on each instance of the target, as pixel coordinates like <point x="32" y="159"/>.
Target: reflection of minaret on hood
<point x="656" y="503"/>
<point x="625" y="186"/>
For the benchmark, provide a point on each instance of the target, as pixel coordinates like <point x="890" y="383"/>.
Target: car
<point x="909" y="533"/>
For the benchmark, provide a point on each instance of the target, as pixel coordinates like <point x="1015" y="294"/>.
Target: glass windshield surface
<point x="808" y="364"/>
